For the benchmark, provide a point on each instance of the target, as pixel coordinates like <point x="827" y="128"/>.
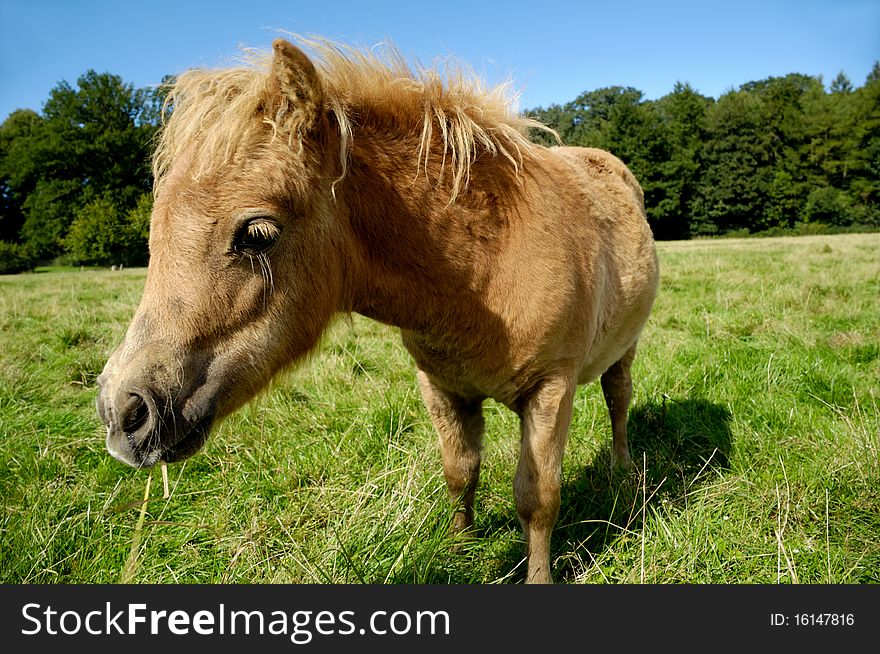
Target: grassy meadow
<point x="754" y="425"/>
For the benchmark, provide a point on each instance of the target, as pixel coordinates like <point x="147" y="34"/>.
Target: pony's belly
<point x="610" y="346"/>
<point x="604" y="359"/>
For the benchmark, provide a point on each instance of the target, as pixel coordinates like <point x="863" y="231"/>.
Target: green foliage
<point x="684" y="116"/>
<point x="90" y="143"/>
<point x="734" y="181"/>
<point x="768" y="157"/>
<point x="48" y="210"/>
<point x="15" y="258"/>
<point x="827" y="204"/>
<point x="102" y="234"/>
<point x="764" y="157"/>
<point x="18" y="175"/>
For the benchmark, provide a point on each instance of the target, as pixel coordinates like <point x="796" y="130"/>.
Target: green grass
<point x="755" y="422"/>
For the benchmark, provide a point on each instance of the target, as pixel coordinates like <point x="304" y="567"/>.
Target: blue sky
<point x="553" y="51"/>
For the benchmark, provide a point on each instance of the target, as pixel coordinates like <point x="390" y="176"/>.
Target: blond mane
<point x="216" y="109"/>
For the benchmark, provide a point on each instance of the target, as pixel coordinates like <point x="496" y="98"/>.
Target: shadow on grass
<point x="677" y="441"/>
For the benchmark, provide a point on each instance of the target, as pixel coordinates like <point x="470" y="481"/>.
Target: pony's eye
<point x="256" y="235"/>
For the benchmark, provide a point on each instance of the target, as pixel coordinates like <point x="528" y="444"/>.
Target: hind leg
<point x="617" y="388"/>
<point x="459" y="424"/>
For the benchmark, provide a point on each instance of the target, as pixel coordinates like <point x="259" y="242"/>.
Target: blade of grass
<point x="130" y="568"/>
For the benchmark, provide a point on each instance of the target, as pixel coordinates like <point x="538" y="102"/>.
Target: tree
<point x="841" y="84"/>
<point x="18" y="172"/>
<point x="733" y="184"/>
<point x="862" y="170"/>
<point x="771" y="155"/>
<point x="829" y="206"/>
<point x="784" y="103"/>
<point x="106" y="126"/>
<point x="756" y="172"/>
<point x="15" y="258"/>
<point x="102" y="234"/>
<point x="684" y="113"/>
<point x="48" y="210"/>
<point x="844" y="155"/>
<point x="92" y="142"/>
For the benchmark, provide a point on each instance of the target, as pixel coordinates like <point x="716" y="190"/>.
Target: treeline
<point x="776" y="156"/>
<point x="782" y="155"/>
<point x="75" y="179"/>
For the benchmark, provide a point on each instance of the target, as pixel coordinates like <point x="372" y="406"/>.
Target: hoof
<point x="539" y="576"/>
<point x="462" y="521"/>
<point x="621" y="462"/>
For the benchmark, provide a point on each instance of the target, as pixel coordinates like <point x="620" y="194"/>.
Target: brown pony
<point x="295" y="188"/>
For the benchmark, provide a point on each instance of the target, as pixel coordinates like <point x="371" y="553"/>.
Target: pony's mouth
<point x="191" y="443"/>
<point x="145" y="428"/>
<point x="153" y="449"/>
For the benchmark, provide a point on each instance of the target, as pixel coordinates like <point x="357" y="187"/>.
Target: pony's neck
<point x="413" y="253"/>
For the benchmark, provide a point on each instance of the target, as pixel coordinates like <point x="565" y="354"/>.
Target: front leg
<point x="459" y="424"/>
<point x="544" y="423"/>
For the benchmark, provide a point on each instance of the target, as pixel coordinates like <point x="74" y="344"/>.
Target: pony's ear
<point x="294" y="76"/>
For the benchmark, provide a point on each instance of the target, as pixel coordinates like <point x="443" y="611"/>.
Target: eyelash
<point x="256" y="236"/>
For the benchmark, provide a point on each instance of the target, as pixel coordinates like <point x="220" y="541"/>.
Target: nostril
<point x="135" y="414"/>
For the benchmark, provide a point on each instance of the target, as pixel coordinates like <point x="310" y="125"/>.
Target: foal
<point x="344" y="183"/>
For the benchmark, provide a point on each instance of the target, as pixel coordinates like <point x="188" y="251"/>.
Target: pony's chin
<point x="188" y="446"/>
